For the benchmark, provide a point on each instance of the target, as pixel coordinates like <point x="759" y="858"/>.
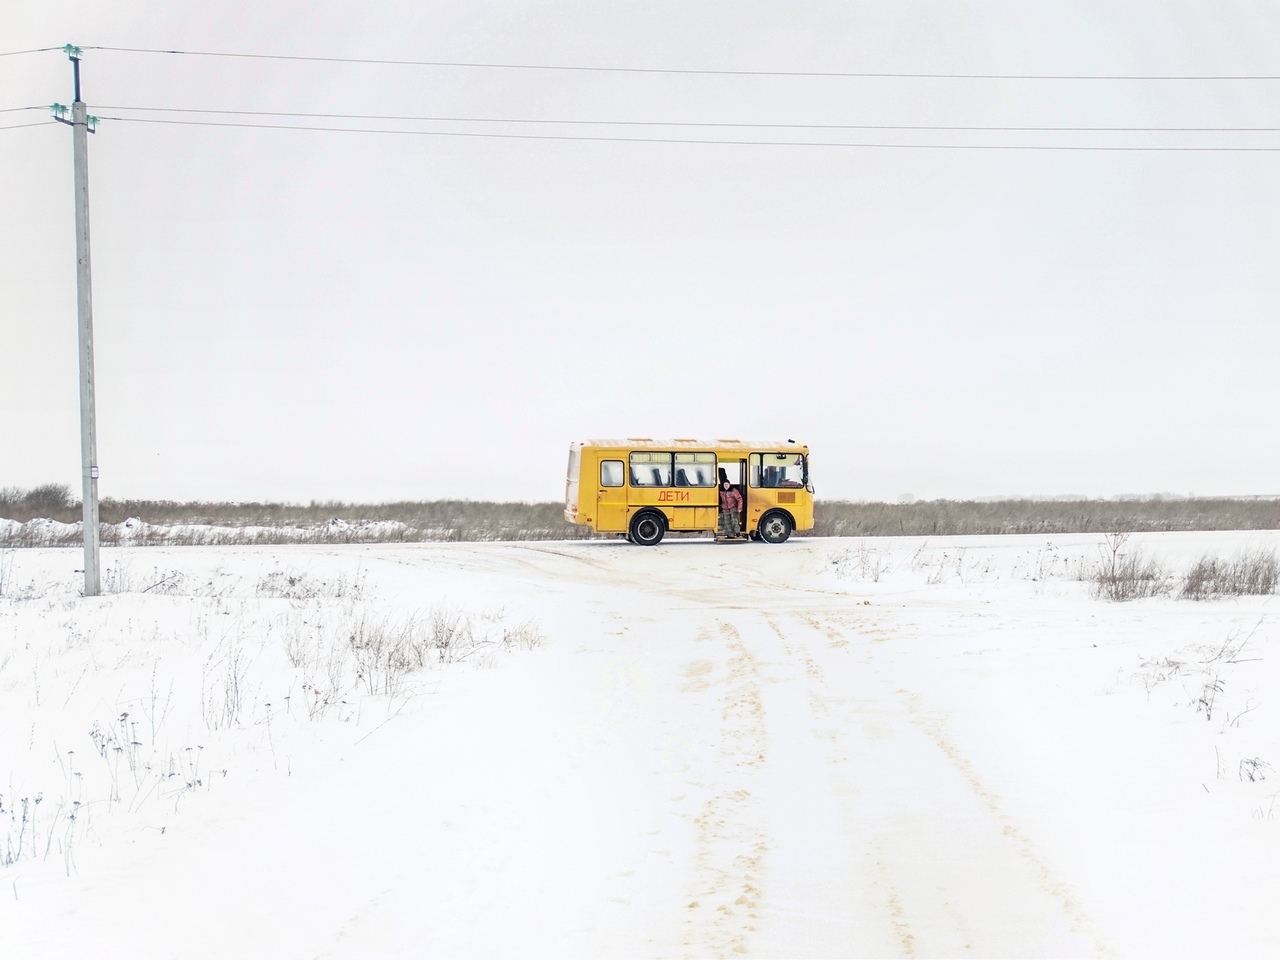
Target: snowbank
<point x="136" y="532"/>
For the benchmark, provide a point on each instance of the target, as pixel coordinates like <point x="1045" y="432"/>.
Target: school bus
<point x="642" y="488"/>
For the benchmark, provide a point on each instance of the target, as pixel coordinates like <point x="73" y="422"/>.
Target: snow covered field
<point x="890" y="747"/>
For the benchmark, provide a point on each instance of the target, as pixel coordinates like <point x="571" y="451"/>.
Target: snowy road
<point x="731" y="750"/>
<point x="815" y="808"/>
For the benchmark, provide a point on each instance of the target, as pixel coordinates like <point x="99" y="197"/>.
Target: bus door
<point x="736" y="473"/>
<point x="611" y="495"/>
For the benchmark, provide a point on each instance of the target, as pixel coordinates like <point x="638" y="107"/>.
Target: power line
<point x="17" y="109"/>
<point x="694" y="123"/>
<point x="679" y="140"/>
<point x="20" y="126"/>
<point x="867" y="75"/>
<point x="18" y="53"/>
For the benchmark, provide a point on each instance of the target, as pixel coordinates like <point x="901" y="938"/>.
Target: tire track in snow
<point x="935" y="728"/>
<point x="821" y="699"/>
<point x="731" y="842"/>
<point x="914" y="867"/>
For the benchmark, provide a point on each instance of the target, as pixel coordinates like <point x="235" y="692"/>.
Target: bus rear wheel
<point x="647" y="529"/>
<point x="775" y="527"/>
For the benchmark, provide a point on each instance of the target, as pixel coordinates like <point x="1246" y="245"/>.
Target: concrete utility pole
<point x="81" y="126"/>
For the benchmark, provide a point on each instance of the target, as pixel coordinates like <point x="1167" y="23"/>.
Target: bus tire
<point x="775" y="527"/>
<point x="647" y="528"/>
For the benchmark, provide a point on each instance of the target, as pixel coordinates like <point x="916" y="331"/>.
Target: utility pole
<point x="81" y="126"/>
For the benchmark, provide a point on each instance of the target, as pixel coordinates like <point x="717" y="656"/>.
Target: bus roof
<point x="684" y="443"/>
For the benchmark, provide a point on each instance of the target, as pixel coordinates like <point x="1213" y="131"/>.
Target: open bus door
<point x="735" y="471"/>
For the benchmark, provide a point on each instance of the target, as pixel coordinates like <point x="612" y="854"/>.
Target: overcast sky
<point x="361" y="316"/>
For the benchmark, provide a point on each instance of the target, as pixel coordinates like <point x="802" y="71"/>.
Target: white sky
<point x="327" y="315"/>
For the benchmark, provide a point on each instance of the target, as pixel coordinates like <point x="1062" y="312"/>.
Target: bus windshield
<point x="778" y="470"/>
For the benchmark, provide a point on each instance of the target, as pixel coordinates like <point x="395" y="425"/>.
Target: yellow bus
<point x="642" y="488"/>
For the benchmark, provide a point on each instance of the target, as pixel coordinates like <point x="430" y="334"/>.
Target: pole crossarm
<point x="60" y="111"/>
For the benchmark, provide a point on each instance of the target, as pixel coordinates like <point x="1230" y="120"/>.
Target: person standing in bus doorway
<point x="730" y="507"/>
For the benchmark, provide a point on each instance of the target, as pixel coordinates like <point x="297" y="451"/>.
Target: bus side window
<point x="650" y="469"/>
<point x="610" y="473"/>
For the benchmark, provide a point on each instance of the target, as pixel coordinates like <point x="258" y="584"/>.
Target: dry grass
<point x="200" y="523"/>
<point x="134" y="713"/>
<point x="1247" y="574"/>
<point x="331" y="521"/>
<point x="942" y="518"/>
<point x="1128" y="574"/>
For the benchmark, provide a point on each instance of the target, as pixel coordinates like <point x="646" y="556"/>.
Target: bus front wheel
<point x="775" y="527"/>
<point x="647" y="529"/>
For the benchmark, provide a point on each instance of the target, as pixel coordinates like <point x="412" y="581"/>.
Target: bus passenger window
<point x="610" y="473"/>
<point x="695" y="469"/>
<point x="651" y="469"/>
